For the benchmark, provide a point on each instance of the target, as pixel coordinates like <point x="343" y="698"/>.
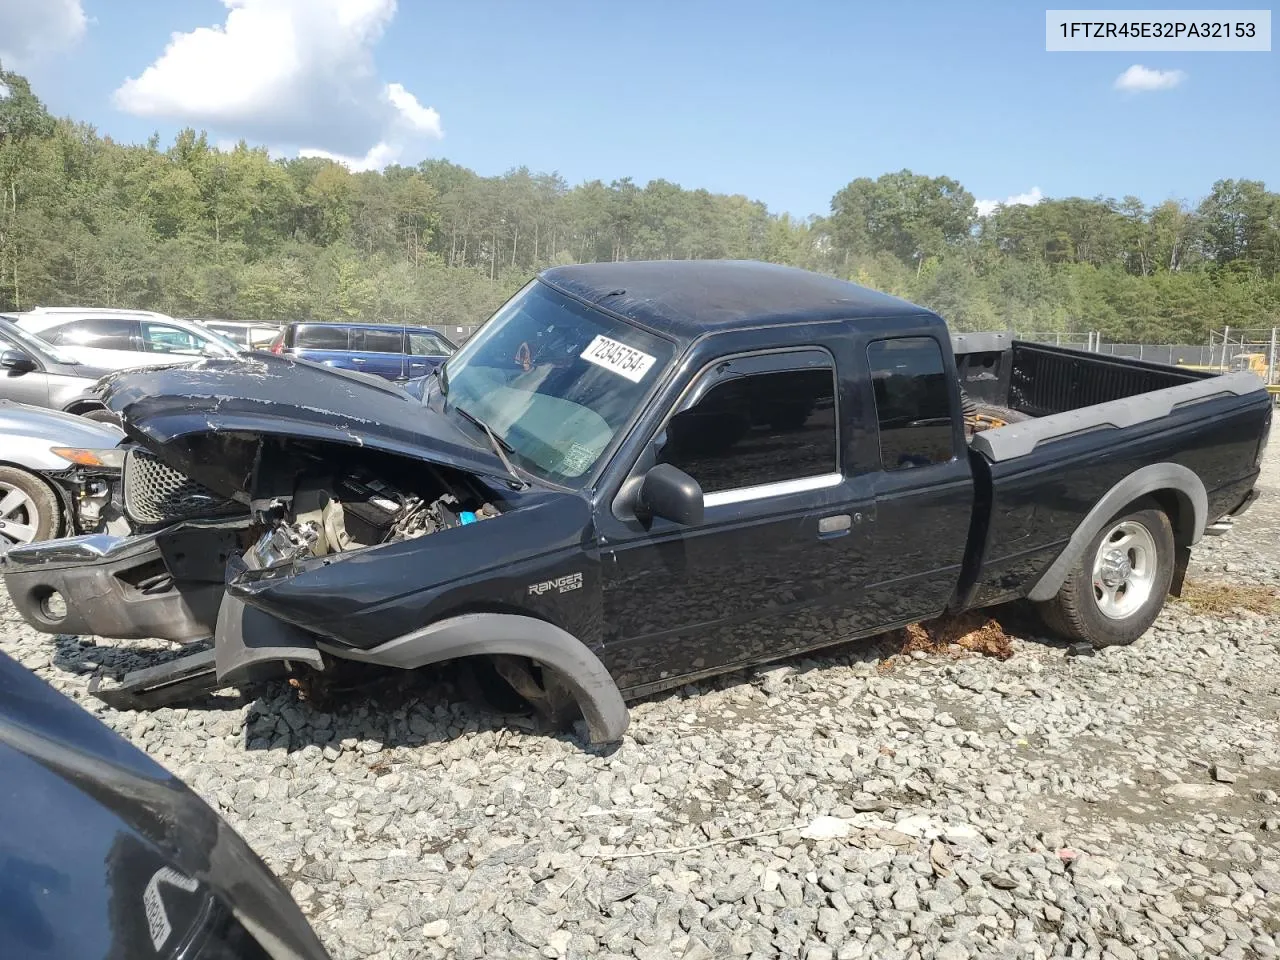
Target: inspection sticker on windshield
<point x="623" y="360"/>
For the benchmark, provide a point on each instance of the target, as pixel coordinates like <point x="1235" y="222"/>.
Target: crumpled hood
<point x="269" y="395"/>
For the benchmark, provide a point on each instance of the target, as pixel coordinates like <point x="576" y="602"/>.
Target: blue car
<point x="393" y="351"/>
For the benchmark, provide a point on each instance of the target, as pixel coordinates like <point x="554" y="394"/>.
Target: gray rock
<point x="435" y="929"/>
<point x="1268" y="880"/>
<point x="532" y="927"/>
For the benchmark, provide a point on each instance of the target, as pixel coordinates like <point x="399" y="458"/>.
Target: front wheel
<point x="101" y="415"/>
<point x="28" y="508"/>
<point x="1116" y="589"/>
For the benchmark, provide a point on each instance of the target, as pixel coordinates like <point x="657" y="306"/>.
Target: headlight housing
<point x="110" y="458"/>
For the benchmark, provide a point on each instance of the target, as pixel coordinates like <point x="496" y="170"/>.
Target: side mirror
<point x="17" y="362"/>
<point x="670" y="493"/>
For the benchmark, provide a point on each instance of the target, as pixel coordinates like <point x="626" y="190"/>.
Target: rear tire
<point x="29" y="509"/>
<point x="1116" y="589"/>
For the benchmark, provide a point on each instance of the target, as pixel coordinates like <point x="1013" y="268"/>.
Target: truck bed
<point x="1095" y="421"/>
<point x="1069" y="392"/>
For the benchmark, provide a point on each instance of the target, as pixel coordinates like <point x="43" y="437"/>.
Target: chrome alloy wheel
<point x="1124" y="570"/>
<point x="18" y="517"/>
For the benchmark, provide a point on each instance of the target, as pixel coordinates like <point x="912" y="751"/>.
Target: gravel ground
<point x="1122" y="805"/>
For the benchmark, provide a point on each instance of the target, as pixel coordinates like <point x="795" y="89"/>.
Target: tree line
<point x="192" y="230"/>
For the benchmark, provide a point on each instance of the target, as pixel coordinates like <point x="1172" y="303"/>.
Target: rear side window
<point x="104" y="333"/>
<point x="321" y="336"/>
<point x="913" y="402"/>
<point x="756" y="430"/>
<point x="377" y="341"/>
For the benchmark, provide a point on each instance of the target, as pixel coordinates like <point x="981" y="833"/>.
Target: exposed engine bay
<point x="352" y="510"/>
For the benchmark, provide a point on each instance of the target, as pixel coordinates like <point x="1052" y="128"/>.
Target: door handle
<point x="836" y="525"/>
<point x="358" y="360"/>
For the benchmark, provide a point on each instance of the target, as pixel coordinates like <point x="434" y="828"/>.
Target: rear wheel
<point x="1117" y="587"/>
<point x="28" y="508"/>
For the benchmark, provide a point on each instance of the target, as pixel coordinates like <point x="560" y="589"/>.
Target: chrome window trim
<point x="779" y="489"/>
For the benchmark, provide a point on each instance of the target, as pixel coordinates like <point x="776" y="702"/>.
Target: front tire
<point x="1116" y="589"/>
<point x="101" y="415"/>
<point x="29" y="509"/>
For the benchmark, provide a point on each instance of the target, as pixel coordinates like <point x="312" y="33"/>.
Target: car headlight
<point x="111" y="458"/>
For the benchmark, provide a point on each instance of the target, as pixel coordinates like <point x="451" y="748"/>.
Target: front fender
<point x="483" y="634"/>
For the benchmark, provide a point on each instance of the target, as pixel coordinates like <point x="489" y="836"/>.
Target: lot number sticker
<point x="618" y="357"/>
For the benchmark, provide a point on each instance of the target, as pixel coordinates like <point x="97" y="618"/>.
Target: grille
<point x="154" y="492"/>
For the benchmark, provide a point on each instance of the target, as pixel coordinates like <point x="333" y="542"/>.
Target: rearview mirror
<point x="670" y="493"/>
<point x="17" y="362"/>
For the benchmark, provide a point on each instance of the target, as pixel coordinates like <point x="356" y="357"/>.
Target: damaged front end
<point x="224" y="481"/>
<point x="171" y="583"/>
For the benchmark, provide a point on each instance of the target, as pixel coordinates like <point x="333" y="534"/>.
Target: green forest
<point x="192" y="230"/>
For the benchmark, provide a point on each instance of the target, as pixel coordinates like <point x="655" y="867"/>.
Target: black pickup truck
<point x="637" y="474"/>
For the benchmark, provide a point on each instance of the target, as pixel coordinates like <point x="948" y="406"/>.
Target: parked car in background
<point x="59" y="475"/>
<point x="252" y="335"/>
<point x="38" y="373"/>
<point x="120" y="339"/>
<point x="105" y="853"/>
<point x="392" y="351"/>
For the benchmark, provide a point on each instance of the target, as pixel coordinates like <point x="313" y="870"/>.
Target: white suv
<point x="119" y="339"/>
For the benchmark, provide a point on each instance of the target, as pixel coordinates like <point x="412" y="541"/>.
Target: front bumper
<point x="166" y="585"/>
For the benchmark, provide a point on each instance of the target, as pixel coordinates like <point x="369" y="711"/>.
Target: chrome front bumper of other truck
<point x="166" y="585"/>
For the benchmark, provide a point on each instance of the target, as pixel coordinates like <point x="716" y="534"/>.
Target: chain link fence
<point x="1257" y="351"/>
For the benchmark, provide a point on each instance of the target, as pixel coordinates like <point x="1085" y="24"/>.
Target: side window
<point x="377" y="341"/>
<point x="757" y="429"/>
<point x="321" y="336"/>
<point x="913" y="402"/>
<point x="426" y="344"/>
<point x="105" y="333"/>
<point x="162" y="338"/>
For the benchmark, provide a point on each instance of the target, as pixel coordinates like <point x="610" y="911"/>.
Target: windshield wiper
<point x="500" y="446"/>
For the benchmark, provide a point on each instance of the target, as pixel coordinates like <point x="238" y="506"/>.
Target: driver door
<point x="30" y="386"/>
<point x="784" y="532"/>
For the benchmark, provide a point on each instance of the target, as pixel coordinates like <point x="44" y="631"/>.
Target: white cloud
<point x="4" y="91"/>
<point x="423" y="119"/>
<point x="1028" y="199"/>
<point x="380" y="155"/>
<point x="1138" y="79"/>
<point x="31" y="29"/>
<point x="298" y="74"/>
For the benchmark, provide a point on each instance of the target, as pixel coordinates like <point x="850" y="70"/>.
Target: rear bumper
<point x="166" y="585"/>
<point x="1250" y="498"/>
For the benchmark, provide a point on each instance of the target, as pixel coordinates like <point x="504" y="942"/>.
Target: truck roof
<point x="686" y="298"/>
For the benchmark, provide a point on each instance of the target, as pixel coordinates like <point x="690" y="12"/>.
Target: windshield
<point x="35" y="343"/>
<point x="554" y="380"/>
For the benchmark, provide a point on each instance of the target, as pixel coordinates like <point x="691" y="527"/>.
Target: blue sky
<point x="782" y="101"/>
